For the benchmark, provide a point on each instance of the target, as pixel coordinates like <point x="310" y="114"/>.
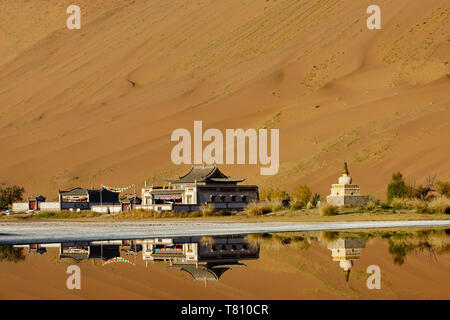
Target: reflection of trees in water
<point x="278" y="241"/>
<point x="432" y="242"/>
<point x="9" y="253"/>
<point x="330" y="235"/>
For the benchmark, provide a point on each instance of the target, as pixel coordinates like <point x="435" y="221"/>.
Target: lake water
<point x="407" y="264"/>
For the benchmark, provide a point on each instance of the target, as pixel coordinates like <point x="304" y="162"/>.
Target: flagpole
<point x="101" y="199"/>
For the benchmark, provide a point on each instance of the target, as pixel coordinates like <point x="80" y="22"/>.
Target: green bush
<point x="397" y="188"/>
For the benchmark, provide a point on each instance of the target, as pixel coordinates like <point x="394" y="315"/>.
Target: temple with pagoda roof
<point x="345" y="192"/>
<point x="203" y="184"/>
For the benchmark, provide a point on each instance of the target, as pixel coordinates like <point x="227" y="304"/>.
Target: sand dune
<point x="98" y="105"/>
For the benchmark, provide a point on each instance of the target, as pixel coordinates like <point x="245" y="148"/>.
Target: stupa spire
<point x="345" y="171"/>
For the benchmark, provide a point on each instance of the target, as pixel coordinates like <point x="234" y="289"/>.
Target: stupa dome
<point x="345" y="178"/>
<point x="346" y="264"/>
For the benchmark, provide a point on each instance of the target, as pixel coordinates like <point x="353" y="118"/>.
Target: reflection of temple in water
<point x="346" y="251"/>
<point x="205" y="259"/>
<point x="83" y="250"/>
<point x="90" y="250"/>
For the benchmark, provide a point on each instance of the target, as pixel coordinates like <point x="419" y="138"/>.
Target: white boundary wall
<point x="20" y="207"/>
<point x="104" y="208"/>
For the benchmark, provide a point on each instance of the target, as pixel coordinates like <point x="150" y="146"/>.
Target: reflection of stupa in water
<point x="203" y="260"/>
<point x="346" y="252"/>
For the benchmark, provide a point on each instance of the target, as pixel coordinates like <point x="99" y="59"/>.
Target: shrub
<point x="206" y="209"/>
<point x="255" y="208"/>
<point x="421" y="206"/>
<point x="315" y="199"/>
<point x="423" y="191"/>
<point x="302" y="194"/>
<point x="373" y="199"/>
<point x="207" y="240"/>
<point x="440" y="205"/>
<point x="329" y="210"/>
<point x="296" y="205"/>
<point x="370" y="205"/>
<point x="385" y="206"/>
<point x="399" y="203"/>
<point x="275" y="205"/>
<point x="66" y="214"/>
<point x="273" y="194"/>
<point x="443" y="188"/>
<point x="195" y="214"/>
<point x="397" y="188"/>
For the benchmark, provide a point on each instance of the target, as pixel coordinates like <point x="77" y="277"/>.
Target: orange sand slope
<point x="70" y="114"/>
<point x="286" y="273"/>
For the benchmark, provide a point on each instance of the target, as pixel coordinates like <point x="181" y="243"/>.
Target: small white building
<point x="345" y="193"/>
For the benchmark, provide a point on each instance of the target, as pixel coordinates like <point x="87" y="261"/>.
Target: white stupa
<point x="346" y="251"/>
<point x="345" y="193"/>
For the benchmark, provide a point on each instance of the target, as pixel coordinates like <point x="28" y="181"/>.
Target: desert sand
<point x="279" y="273"/>
<point x="98" y="105"/>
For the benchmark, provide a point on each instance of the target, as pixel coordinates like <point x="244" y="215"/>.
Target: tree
<point x="302" y="194"/>
<point x="423" y="191"/>
<point x="397" y="188"/>
<point x="9" y="253"/>
<point x="9" y="195"/>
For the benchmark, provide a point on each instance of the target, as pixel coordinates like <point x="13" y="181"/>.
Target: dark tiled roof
<point x="204" y="174"/>
<point x="206" y="273"/>
<point x="75" y="256"/>
<point x="38" y="198"/>
<point x="74" y="192"/>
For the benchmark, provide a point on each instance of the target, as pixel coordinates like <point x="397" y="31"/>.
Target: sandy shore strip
<point x="50" y="232"/>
